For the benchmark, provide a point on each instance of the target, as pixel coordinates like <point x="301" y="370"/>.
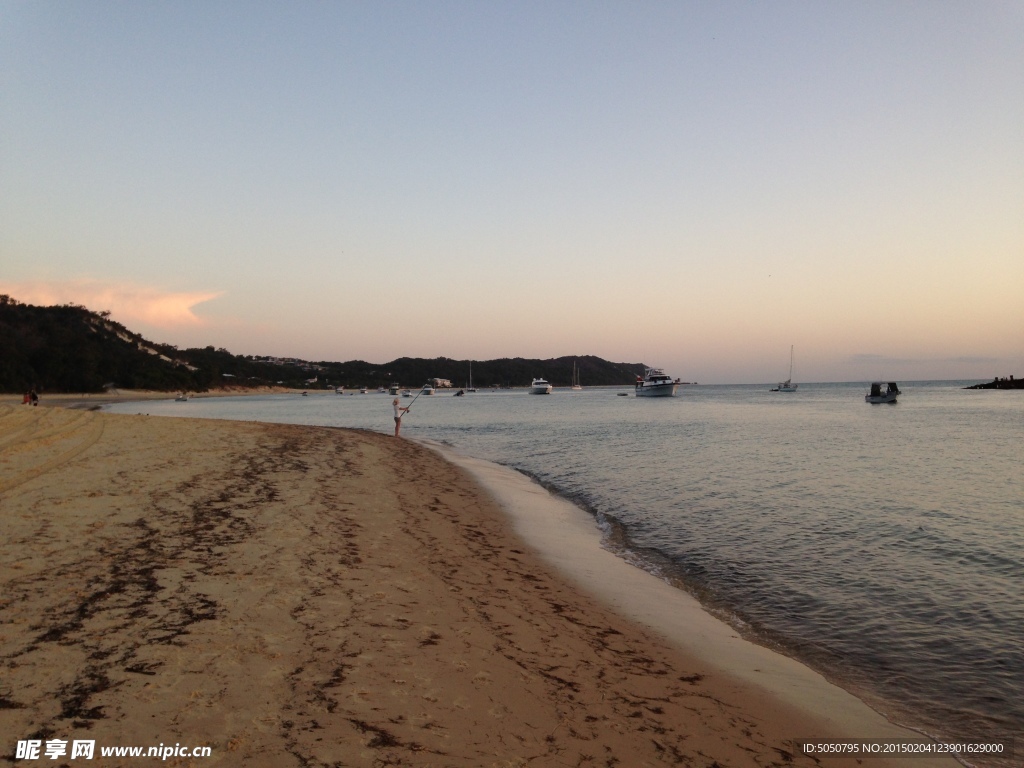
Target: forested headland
<point x="1000" y="383"/>
<point x="72" y="349"/>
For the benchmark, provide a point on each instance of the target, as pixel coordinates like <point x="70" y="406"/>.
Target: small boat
<point x="182" y="398"/>
<point x="469" y="385"/>
<point x="655" y="383"/>
<point x="576" y="386"/>
<point x="406" y="393"/>
<point x="787" y="385"/>
<point x="460" y="393"/>
<point x="381" y="390"/>
<point x="394" y="389"/>
<point x="540" y="387"/>
<point x="339" y="390"/>
<point x="428" y="389"/>
<point x="876" y="395"/>
<point x="305" y="394"/>
<point x="363" y="390"/>
<point x="622" y="394"/>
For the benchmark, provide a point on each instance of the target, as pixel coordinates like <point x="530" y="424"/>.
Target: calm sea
<point x="880" y="544"/>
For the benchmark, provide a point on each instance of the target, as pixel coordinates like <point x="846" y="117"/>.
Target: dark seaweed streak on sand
<point x="189" y="528"/>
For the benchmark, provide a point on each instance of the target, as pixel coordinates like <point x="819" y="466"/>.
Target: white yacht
<point x="540" y="387"/>
<point x="655" y="383"/>
<point x="576" y="386"/>
<point x="394" y="389"/>
<point x="787" y="385"/>
<point x="428" y="389"/>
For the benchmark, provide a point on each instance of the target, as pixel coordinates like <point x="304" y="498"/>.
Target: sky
<point x="695" y="185"/>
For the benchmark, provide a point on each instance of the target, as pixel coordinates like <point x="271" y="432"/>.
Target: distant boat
<point x="406" y="393"/>
<point x="182" y="398"/>
<point x="428" y="389"/>
<point x="339" y="390"/>
<point x="363" y="390"/>
<point x="469" y="386"/>
<point x="540" y="387"/>
<point x="655" y="383"/>
<point x="876" y="395"/>
<point x="787" y="385"/>
<point x="394" y="389"/>
<point x="576" y="386"/>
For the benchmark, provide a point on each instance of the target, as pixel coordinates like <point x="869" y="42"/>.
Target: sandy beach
<point x="324" y="597"/>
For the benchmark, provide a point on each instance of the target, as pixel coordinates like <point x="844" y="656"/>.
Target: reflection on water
<point x="882" y="544"/>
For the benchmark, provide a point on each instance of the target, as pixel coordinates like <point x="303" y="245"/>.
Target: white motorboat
<point x="182" y="398"/>
<point x="394" y="389"/>
<point x="428" y="389"/>
<point x="540" y="387"/>
<point x="876" y="395"/>
<point x="406" y="393"/>
<point x="787" y="385"/>
<point x="655" y="383"/>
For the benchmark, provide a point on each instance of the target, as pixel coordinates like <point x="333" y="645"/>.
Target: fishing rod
<point x="414" y="400"/>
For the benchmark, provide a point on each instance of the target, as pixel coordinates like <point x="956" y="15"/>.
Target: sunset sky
<point x="697" y="185"/>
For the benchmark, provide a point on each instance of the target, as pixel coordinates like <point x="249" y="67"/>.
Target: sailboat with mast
<point x="576" y="386"/>
<point x="787" y="385"/>
<point x="469" y="386"/>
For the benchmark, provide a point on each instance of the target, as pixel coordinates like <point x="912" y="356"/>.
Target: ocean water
<point x="881" y="544"/>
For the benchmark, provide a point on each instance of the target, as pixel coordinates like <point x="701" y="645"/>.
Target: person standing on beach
<point x="398" y="415"/>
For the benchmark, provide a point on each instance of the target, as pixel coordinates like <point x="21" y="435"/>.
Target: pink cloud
<point x="126" y="302"/>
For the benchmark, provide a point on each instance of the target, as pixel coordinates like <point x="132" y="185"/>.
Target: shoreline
<point x="427" y="569"/>
<point x="567" y="538"/>
<point x="96" y="400"/>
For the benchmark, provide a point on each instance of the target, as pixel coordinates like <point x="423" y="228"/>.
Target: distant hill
<point x="505" y="372"/>
<point x="72" y="349"/>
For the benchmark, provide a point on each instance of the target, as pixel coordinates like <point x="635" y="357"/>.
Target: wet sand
<point x="312" y="596"/>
